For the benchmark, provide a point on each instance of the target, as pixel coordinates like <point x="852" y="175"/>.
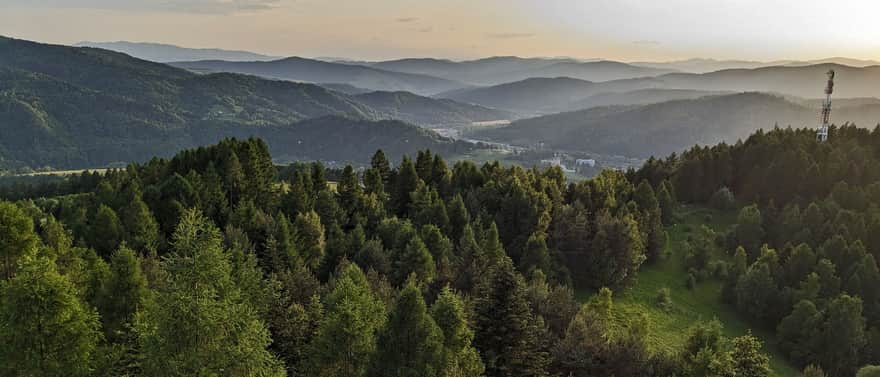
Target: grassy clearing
<point x="669" y="329"/>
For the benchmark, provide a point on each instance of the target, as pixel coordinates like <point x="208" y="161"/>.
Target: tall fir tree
<point x="411" y="344"/>
<point x="505" y="327"/>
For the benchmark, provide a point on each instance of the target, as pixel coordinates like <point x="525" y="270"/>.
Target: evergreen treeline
<point x="208" y="264"/>
<point x="803" y="255"/>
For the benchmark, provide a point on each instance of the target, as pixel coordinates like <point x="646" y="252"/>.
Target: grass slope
<point x="670" y="329"/>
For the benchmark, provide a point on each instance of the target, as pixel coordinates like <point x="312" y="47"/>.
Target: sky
<point x="627" y="30"/>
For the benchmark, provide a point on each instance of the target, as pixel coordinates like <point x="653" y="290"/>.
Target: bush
<point x="869" y="371"/>
<point x="664" y="299"/>
<point x="813" y="371"/>
<point x="723" y="199"/>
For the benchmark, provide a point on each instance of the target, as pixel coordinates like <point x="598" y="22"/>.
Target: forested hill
<point x="669" y="127"/>
<point x="71" y="107"/>
<point x="805" y="247"/>
<point x="316" y="71"/>
<point x="422" y="269"/>
<point x="429" y="111"/>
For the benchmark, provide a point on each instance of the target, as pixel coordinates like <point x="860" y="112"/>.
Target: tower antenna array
<point x="822" y="133"/>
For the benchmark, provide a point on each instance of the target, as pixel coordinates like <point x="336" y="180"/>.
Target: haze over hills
<point x="702" y="65"/>
<point x="164" y="53"/>
<point x="544" y="96"/>
<point x="668" y="127"/>
<point x="429" y="111"/>
<point x="504" y="69"/>
<point x="316" y="71"/>
<point x="83" y="107"/>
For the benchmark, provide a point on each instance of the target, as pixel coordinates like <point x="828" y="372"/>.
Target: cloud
<point x="647" y="43"/>
<point x="510" y="35"/>
<point x="179" y="6"/>
<point x="407" y="19"/>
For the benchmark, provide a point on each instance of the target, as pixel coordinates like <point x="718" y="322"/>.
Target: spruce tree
<point x="124" y="293"/>
<point x="411" y="344"/>
<point x="505" y="328"/>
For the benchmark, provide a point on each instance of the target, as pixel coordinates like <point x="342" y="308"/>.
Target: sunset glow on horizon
<point x="626" y="30"/>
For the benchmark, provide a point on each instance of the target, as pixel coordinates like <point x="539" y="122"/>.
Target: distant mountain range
<point x="544" y="96"/>
<point x="317" y="71"/>
<point x="504" y="69"/>
<point x="83" y="107"/>
<point x="698" y="65"/>
<point x="164" y="53"/>
<point x="663" y="128"/>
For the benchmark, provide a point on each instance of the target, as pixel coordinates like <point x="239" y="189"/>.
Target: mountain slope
<point x="668" y="127"/>
<point x="543" y="95"/>
<point x="316" y="71"/>
<point x="498" y="70"/>
<point x="640" y="97"/>
<point x="804" y="81"/>
<point x="429" y="111"/>
<point x="164" y="53"/>
<point x="84" y="107"/>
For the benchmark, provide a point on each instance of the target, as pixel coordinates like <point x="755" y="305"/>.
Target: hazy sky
<point x="381" y="29"/>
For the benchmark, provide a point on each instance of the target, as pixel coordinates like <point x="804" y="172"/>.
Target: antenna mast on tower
<point x="822" y="134"/>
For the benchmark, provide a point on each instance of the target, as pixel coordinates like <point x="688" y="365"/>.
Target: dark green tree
<point x="411" y="344"/>
<point x="505" y="327"/>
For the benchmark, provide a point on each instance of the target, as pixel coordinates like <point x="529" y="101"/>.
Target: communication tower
<point x="822" y="133"/>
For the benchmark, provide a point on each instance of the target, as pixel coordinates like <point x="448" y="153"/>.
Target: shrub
<point x="722" y="199"/>
<point x="664" y="299"/>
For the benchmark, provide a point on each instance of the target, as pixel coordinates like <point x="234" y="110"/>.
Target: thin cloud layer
<point x="510" y="35"/>
<point x="181" y="6"/>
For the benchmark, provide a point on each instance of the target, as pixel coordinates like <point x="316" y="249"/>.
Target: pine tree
<point x="505" y="327"/>
<point x="309" y="236"/>
<point x="406" y="181"/>
<point x="411" y="344"/>
<point x="346" y="337"/>
<point x="460" y="359"/>
<point x="842" y="336"/>
<point x="106" y="231"/>
<point x="666" y="202"/>
<point x="381" y="165"/>
<point x="124" y="293"/>
<point x="45" y="329"/>
<point x="200" y="323"/>
<point x="141" y="229"/>
<point x="415" y="259"/>
<point x="536" y="255"/>
<point x="17" y="237"/>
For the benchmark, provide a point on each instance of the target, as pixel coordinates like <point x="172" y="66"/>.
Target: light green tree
<point x="200" y="323"/>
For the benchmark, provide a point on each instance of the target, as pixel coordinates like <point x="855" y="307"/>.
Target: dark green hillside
<point x="82" y="107"/>
<point x="316" y="71"/>
<point x="428" y="111"/>
<point x="334" y="138"/>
